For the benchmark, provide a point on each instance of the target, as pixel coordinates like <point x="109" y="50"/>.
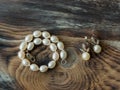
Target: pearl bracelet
<point x="36" y="39"/>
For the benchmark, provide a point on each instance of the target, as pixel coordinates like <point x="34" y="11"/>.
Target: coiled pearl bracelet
<point x="36" y="39"/>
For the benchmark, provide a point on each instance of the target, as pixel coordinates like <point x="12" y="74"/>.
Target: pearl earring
<point x="85" y="52"/>
<point x="96" y="48"/>
<point x="38" y="38"/>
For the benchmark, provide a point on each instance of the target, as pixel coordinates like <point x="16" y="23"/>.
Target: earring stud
<point x="85" y="52"/>
<point x="96" y="48"/>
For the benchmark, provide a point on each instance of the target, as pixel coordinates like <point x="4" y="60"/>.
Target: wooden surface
<point x="70" y="20"/>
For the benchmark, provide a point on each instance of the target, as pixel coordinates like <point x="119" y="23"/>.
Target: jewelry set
<point x="56" y="47"/>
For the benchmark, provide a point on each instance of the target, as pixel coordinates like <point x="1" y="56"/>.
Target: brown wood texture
<point x="70" y="20"/>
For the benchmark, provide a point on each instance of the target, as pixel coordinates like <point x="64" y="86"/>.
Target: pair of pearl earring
<point x="96" y="48"/>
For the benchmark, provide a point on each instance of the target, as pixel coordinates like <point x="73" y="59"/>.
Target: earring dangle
<point x="85" y="52"/>
<point x="96" y="47"/>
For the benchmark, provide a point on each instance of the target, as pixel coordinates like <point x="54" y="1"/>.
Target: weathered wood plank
<point x="59" y="13"/>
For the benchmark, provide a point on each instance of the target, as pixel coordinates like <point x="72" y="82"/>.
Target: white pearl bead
<point x="54" y="39"/>
<point x="34" y="67"/>
<point x="53" y="47"/>
<point x="46" y="34"/>
<point x="51" y="64"/>
<point x="30" y="46"/>
<point x="63" y="55"/>
<point x="55" y="56"/>
<point x="25" y="62"/>
<point x="37" y="41"/>
<point x="29" y="38"/>
<point x="85" y="56"/>
<point x="43" y="68"/>
<point x="37" y="33"/>
<point x="60" y="45"/>
<point x="23" y="46"/>
<point x="21" y="54"/>
<point x="46" y="41"/>
<point x="97" y="48"/>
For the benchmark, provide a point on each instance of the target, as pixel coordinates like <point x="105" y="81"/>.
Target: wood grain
<point x="70" y="20"/>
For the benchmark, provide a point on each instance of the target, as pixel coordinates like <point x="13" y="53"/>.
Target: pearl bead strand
<point x="35" y="39"/>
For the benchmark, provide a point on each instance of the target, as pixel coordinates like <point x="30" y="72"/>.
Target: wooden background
<point x="70" y="20"/>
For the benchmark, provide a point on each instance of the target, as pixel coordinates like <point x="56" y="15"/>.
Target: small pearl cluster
<point x="34" y="39"/>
